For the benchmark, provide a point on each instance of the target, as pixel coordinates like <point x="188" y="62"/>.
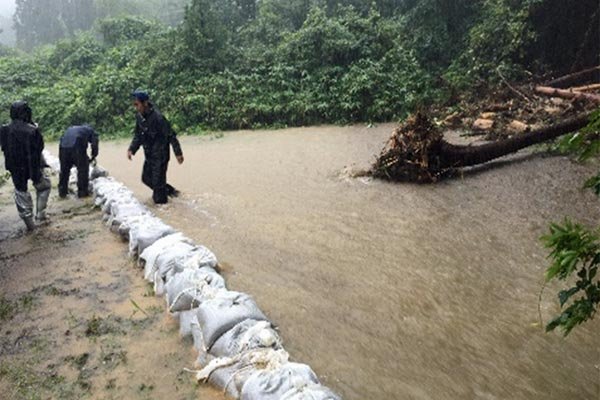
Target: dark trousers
<point x="73" y="157"/>
<point x="154" y="175"/>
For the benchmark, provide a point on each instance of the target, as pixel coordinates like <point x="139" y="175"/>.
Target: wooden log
<point x="567" y="94"/>
<point x="590" y="74"/>
<point x="586" y="88"/>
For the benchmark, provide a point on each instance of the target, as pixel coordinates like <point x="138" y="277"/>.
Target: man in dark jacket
<point x="153" y="132"/>
<point x="22" y="144"/>
<point x="73" y="152"/>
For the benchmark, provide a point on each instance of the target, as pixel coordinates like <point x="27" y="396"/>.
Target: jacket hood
<point x="21" y="111"/>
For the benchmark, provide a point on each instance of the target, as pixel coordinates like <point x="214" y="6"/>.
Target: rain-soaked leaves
<point x="575" y="252"/>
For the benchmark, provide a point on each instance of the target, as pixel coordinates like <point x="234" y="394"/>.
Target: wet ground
<point x="388" y="291"/>
<point x="77" y="321"/>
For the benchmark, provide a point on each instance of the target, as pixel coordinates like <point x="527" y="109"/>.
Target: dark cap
<point x="140" y="95"/>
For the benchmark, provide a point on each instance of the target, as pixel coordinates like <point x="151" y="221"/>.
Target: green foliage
<point x="76" y="55"/>
<point x="584" y="144"/>
<point x="119" y="30"/>
<point x="575" y="250"/>
<point x="594" y="184"/>
<point x="497" y="41"/>
<point x="243" y="64"/>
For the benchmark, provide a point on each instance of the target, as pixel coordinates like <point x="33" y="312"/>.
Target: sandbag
<point x="123" y="211"/>
<point x="221" y="313"/>
<point x="51" y="161"/>
<point x="151" y="254"/>
<point x="248" y="335"/>
<point x="275" y="384"/>
<point x="146" y="232"/>
<point x="232" y="373"/>
<point x="187" y="322"/>
<point x="193" y="258"/>
<point x="97" y="172"/>
<point x="170" y="257"/>
<point x="186" y="289"/>
<point x="310" y="392"/>
<point x="127" y="224"/>
<point x="103" y="187"/>
<point x="116" y="198"/>
<point x="200" y="257"/>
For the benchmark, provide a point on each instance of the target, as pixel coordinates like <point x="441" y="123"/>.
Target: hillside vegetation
<point x="245" y="64"/>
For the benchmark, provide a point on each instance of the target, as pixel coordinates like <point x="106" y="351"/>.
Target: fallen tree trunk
<point x="463" y="156"/>
<point x="567" y="94"/>
<point x="417" y="151"/>
<point x="576" y="78"/>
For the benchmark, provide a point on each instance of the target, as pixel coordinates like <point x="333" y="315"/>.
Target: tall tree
<point x="45" y="21"/>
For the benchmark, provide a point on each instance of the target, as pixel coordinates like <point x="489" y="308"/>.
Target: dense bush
<point x="243" y="63"/>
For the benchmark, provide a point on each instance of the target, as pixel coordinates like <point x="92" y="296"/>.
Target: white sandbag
<point x="171" y="256"/>
<point x="146" y="232"/>
<point x="123" y="211"/>
<point x="187" y="320"/>
<point x="221" y="313"/>
<point x="51" y="161"/>
<point x="128" y="223"/>
<point x="110" y="194"/>
<point x="200" y="257"/>
<point x="232" y="373"/>
<point x="150" y="255"/>
<point x="120" y="196"/>
<point x="247" y="335"/>
<point x="186" y="289"/>
<point x="97" y="172"/>
<point x="275" y="384"/>
<point x="196" y="258"/>
<point x="103" y="186"/>
<point x="310" y="392"/>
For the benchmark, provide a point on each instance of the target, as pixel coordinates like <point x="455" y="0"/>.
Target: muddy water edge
<point x="388" y="291"/>
<point x="77" y="320"/>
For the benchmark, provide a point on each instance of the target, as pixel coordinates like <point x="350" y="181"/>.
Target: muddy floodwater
<point x="389" y="291"/>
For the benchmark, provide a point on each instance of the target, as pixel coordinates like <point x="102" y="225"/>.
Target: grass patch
<point x="26" y="383"/>
<point x="78" y="362"/>
<point x="10" y="308"/>
<point x="7" y="309"/>
<point x="97" y="326"/>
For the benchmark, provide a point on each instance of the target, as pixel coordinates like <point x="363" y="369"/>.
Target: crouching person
<point x="22" y="144"/>
<point x="73" y="153"/>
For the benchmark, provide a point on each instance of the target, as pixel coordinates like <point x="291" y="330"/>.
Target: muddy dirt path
<point x="69" y="328"/>
<point x="388" y="291"/>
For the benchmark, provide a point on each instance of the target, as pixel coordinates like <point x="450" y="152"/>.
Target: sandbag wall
<point x="239" y="349"/>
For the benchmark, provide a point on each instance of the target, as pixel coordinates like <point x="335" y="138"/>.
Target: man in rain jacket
<point x="73" y="152"/>
<point x="22" y="144"/>
<point x="153" y="132"/>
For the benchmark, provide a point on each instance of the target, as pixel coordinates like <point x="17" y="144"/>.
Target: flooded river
<point x="388" y="291"/>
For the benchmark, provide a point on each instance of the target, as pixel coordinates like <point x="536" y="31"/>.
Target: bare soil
<point x="76" y="318"/>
